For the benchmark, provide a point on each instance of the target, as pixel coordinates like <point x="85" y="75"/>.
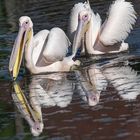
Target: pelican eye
<point x="85" y="17"/>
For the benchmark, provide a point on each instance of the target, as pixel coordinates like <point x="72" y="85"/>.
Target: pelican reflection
<point x="57" y="90"/>
<point x="94" y="79"/>
<point x="44" y="91"/>
<point x="51" y="90"/>
<point x="125" y="80"/>
<point x="91" y="82"/>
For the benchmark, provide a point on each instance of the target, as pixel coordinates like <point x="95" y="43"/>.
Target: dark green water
<point x="113" y="118"/>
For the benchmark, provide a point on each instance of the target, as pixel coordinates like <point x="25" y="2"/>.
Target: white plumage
<point x="100" y="39"/>
<point x="119" y="23"/>
<point x="44" y="52"/>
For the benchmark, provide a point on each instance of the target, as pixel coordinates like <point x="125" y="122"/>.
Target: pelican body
<point x="44" y="52"/>
<point x="87" y="30"/>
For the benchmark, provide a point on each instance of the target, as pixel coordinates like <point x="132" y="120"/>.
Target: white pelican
<point x="106" y="38"/>
<point x="44" y="52"/>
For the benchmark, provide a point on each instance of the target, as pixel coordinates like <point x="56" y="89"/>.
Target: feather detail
<point x="119" y="23"/>
<point x="125" y="80"/>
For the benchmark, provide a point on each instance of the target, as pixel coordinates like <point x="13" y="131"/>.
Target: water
<point x="69" y="118"/>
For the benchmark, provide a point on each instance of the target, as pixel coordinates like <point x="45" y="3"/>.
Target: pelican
<point x="44" y="52"/>
<point x="87" y="30"/>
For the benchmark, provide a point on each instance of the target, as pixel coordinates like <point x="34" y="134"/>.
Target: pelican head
<point x="25" y="22"/>
<point x="84" y="18"/>
<point x="23" y="37"/>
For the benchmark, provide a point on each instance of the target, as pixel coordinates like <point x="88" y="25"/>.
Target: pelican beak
<point x="17" y="52"/>
<point x="79" y="34"/>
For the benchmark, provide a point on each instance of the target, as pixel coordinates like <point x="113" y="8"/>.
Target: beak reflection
<point x="29" y="112"/>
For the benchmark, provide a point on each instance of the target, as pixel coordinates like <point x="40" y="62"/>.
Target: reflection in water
<point x="124" y="79"/>
<point x="117" y="72"/>
<point x="51" y="90"/>
<point x="31" y="111"/>
<point x="91" y="82"/>
<point x="44" y="91"/>
<point x="57" y="90"/>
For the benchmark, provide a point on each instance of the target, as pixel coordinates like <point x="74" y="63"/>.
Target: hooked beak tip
<point x="11" y="75"/>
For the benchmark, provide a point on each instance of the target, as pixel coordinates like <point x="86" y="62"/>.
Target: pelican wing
<point x="39" y="44"/>
<point x="119" y="23"/>
<point x="49" y="46"/>
<point x="56" y="46"/>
